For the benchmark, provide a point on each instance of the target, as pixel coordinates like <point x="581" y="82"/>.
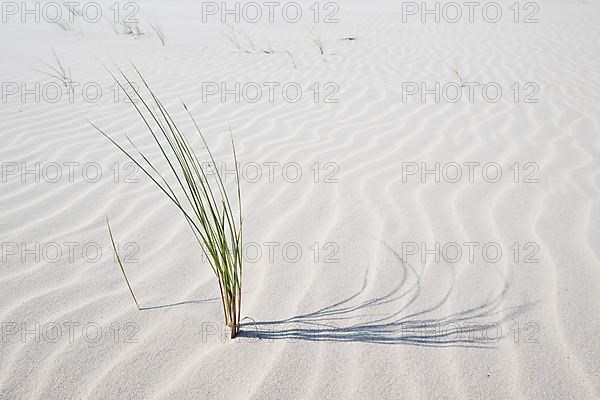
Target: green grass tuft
<point x="204" y="203"/>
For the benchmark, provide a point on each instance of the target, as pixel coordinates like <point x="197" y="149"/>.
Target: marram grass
<point x="204" y="202"/>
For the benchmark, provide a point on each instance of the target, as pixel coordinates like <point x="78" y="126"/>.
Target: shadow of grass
<point x="330" y="324"/>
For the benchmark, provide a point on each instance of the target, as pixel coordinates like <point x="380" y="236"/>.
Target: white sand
<point x="367" y="326"/>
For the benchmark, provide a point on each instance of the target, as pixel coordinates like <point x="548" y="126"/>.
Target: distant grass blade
<point x="121" y="264"/>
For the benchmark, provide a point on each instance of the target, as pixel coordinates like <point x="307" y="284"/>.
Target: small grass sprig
<point x="317" y="41"/>
<point x="112" y="239"/>
<point x="159" y="33"/>
<point x="61" y="74"/>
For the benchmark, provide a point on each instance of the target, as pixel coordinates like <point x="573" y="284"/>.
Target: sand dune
<point x="346" y="294"/>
